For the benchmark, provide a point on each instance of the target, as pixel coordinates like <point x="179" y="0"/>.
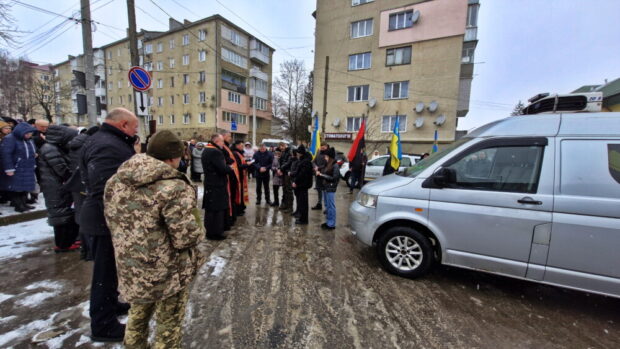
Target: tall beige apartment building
<point x="387" y="60"/>
<point x="207" y="77"/>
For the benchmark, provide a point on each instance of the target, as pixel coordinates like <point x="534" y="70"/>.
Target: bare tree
<point x="288" y="99"/>
<point x="16" y="81"/>
<point x="7" y="31"/>
<point x="49" y="94"/>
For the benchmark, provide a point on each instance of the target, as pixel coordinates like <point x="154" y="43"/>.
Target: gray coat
<point x="197" y="160"/>
<point x="277" y="180"/>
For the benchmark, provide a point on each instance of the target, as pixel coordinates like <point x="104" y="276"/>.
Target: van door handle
<point x="529" y="201"/>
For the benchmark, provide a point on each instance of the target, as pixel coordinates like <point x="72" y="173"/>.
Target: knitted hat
<point x="165" y="145"/>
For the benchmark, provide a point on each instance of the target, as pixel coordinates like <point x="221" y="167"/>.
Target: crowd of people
<point x="132" y="210"/>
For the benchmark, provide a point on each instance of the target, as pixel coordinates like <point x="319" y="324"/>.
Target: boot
<point x="34" y="197"/>
<point x="318" y="206"/>
<point x="19" y="203"/>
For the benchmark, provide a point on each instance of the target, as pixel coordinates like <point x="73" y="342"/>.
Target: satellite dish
<point x="441" y="119"/>
<point x="419" y="121"/>
<point x="415" y="17"/>
<point x="336" y="122"/>
<point x="372" y="102"/>
<point x="419" y="107"/>
<point x="432" y="106"/>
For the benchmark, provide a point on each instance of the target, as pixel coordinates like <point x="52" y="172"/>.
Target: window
<point x="185" y="59"/>
<point x="202" y="97"/>
<point x="202" y="34"/>
<point x="202" y="118"/>
<point x="354" y="123"/>
<point x="186" y="98"/>
<point x="260" y="85"/>
<point x="234" y="58"/>
<point x="171" y="62"/>
<point x="171" y="100"/>
<point x="401" y="20"/>
<point x="359" y="61"/>
<point x="160" y="83"/>
<point x="500" y="168"/>
<point x="121" y="99"/>
<point x="150" y="101"/>
<point x="396" y="90"/>
<point x="172" y="81"/>
<point x="598" y="176"/>
<point x="202" y="76"/>
<point x="186" y="119"/>
<point x="111" y="100"/>
<point x="109" y="54"/>
<point x="360" y="2"/>
<point x="160" y="47"/>
<point x="361" y="28"/>
<point x="472" y="15"/>
<point x="160" y="101"/>
<point x="128" y="98"/>
<point x="261" y="104"/>
<point x="109" y="70"/>
<point x="388" y="122"/>
<point x="172" y="119"/>
<point x="160" y="66"/>
<point x="118" y="52"/>
<point x="148" y="48"/>
<point x="202" y="55"/>
<point x="110" y="85"/>
<point x="148" y="66"/>
<point x="160" y="120"/>
<point x="235" y="38"/>
<point x="234" y="97"/>
<point x="233" y="81"/>
<point x="185" y="79"/>
<point x="120" y="84"/>
<point x="238" y="118"/>
<point x="397" y="56"/>
<point x="171" y="43"/>
<point x="467" y="55"/>
<point x="358" y="93"/>
<point x="185" y="39"/>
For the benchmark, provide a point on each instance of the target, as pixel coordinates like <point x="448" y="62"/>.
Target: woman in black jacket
<point x="302" y="182"/>
<point x="55" y="169"/>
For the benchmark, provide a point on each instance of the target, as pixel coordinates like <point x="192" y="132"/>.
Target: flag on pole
<point x="315" y="143"/>
<point x="395" y="147"/>
<point x="356" y="154"/>
<point x="435" y="148"/>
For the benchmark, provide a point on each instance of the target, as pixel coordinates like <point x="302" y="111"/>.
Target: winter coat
<point x="55" y="169"/>
<point x="197" y="160"/>
<point x="151" y="211"/>
<point x="286" y="160"/>
<point x="216" y="172"/>
<point x="18" y="156"/>
<point x="74" y="184"/>
<point x="102" y="154"/>
<point x="304" y="172"/>
<point x="331" y="179"/>
<point x="275" y="165"/>
<point x="293" y="169"/>
<point x="262" y="159"/>
<point x="319" y="162"/>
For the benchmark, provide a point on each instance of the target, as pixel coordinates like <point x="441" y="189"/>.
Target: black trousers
<point x="319" y="192"/>
<point x="287" y="192"/>
<point x="262" y="184"/>
<point x="104" y="287"/>
<point x="65" y="235"/>
<point x="302" y="204"/>
<point x="215" y="222"/>
<point x="276" y="194"/>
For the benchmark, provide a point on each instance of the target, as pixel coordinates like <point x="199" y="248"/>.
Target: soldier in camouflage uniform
<point x="150" y="208"/>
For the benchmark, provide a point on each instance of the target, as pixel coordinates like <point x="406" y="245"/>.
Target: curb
<point x="22" y="217"/>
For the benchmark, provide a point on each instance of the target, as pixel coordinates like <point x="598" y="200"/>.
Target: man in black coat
<point x="216" y="201"/>
<point x="303" y="182"/>
<point x="319" y="164"/>
<point x="263" y="160"/>
<point x="102" y="154"/>
<point x="286" y="160"/>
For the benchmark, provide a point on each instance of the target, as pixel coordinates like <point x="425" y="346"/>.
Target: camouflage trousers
<point x="169" y="314"/>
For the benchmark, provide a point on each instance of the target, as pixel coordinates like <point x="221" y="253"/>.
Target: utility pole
<point x="325" y="94"/>
<point x="254" y="115"/>
<point x="89" y="65"/>
<point x="133" y="53"/>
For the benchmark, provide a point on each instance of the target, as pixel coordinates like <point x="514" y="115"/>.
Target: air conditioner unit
<point x="575" y="102"/>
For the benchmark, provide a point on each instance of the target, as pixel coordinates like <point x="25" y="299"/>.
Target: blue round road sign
<point x="139" y="78"/>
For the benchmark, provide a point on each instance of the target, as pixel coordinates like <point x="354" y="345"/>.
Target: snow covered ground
<point x="17" y="239"/>
<point x="7" y="210"/>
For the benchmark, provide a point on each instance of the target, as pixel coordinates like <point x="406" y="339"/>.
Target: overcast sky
<point x="525" y="47"/>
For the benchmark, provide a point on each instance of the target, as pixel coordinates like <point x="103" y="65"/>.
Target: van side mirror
<point x="444" y="177"/>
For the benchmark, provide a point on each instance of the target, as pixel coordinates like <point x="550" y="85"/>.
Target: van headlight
<point x="367" y="200"/>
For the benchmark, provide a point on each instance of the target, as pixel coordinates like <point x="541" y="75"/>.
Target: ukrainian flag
<point x="435" y="147"/>
<point x="395" y="149"/>
<point x="315" y="143"/>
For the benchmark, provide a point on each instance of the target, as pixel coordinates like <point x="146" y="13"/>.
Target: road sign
<point x="233" y="125"/>
<point x="142" y="102"/>
<point x="139" y="78"/>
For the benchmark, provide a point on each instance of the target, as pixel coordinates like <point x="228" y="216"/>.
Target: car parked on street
<point x="534" y="197"/>
<point x="374" y="167"/>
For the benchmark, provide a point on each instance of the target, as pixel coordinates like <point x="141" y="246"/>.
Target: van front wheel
<point x="405" y="252"/>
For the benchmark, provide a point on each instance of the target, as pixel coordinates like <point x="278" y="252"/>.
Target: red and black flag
<point x="356" y="154"/>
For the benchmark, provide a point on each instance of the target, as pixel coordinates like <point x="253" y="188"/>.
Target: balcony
<point x="257" y="52"/>
<point x="471" y="34"/>
<point x="259" y="93"/>
<point x="256" y="73"/>
<point x="100" y="91"/>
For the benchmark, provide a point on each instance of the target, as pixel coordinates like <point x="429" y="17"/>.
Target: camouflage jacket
<point x="151" y="211"/>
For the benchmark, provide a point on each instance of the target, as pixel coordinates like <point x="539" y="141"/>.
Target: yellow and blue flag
<point x="315" y="143"/>
<point x="435" y="147"/>
<point x="396" y="153"/>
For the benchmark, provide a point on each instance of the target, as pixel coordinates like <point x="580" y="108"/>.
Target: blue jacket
<point x="18" y="155"/>
<point x="263" y="159"/>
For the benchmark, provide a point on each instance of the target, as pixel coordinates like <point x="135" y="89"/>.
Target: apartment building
<point x="404" y="60"/>
<point x="205" y="76"/>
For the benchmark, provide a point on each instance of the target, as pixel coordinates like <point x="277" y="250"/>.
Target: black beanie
<point x="165" y="145"/>
<point x="331" y="152"/>
<point x="301" y="150"/>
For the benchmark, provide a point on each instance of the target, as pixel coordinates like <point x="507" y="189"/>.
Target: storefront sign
<point x="338" y="136"/>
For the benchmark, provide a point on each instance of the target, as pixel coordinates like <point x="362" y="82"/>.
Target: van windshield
<point x="423" y="164"/>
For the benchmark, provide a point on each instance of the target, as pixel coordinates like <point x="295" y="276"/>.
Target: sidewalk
<point x="10" y="216"/>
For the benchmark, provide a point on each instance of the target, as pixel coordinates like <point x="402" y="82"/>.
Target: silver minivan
<point x="535" y="197"/>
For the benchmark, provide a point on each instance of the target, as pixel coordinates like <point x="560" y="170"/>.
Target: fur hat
<point x="165" y="145"/>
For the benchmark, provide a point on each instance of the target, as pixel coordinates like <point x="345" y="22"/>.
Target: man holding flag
<point x="396" y="153"/>
<point x="357" y="157"/>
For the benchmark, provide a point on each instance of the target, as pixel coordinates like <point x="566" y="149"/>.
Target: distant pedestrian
<point x="102" y="154"/>
<point x="18" y="162"/>
<point x="5" y="130"/>
<point x="302" y="182"/>
<point x="331" y="175"/>
<point x="286" y="160"/>
<point x="263" y="160"/>
<point x="216" y="201"/>
<point x="151" y="210"/>
<point x="277" y="179"/>
<point x="319" y="164"/>
<point x="197" y="170"/>
<point x="248" y="153"/>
